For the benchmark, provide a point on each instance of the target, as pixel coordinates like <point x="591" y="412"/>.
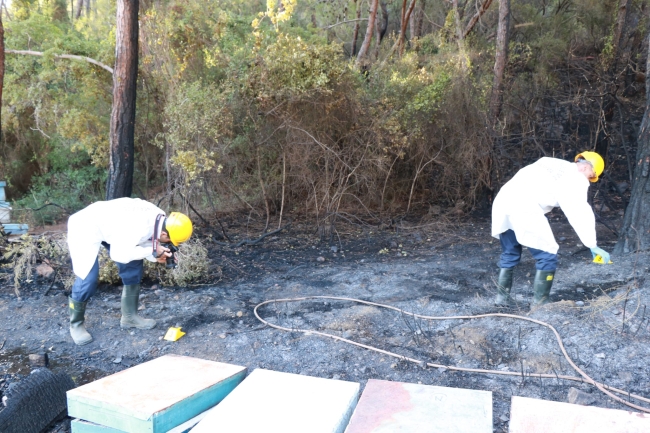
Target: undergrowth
<point x="23" y="257"/>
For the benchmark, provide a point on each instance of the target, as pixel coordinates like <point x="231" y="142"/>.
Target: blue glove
<point x="595" y="251"/>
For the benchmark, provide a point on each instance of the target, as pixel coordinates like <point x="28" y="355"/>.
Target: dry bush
<point x="193" y="266"/>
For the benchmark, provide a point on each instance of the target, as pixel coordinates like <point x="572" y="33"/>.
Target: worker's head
<point x="590" y="164"/>
<point x="177" y="228"/>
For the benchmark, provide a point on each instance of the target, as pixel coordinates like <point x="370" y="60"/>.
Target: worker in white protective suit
<point x="132" y="230"/>
<point x="518" y="218"/>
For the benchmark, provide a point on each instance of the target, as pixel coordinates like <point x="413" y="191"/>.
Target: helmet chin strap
<point x="156" y="233"/>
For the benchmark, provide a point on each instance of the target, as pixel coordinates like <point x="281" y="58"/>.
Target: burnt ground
<point x="428" y="268"/>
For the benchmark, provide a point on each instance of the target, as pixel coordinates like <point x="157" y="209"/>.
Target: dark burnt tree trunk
<point x="635" y="233"/>
<point x="501" y="60"/>
<point x="619" y="31"/>
<point x="125" y="75"/>
<point x="80" y="6"/>
<point x="355" y="33"/>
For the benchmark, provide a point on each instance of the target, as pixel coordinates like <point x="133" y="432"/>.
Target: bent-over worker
<point x="132" y="230"/>
<point x="518" y="217"/>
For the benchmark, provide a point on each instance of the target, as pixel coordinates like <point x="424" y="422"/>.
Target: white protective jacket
<point x="126" y="224"/>
<point x="534" y="191"/>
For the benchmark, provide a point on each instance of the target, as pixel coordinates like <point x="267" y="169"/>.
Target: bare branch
<point x="63" y="56"/>
<point x="345" y="22"/>
<point x="484" y="7"/>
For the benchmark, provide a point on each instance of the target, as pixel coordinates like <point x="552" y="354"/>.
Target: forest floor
<point x="428" y="268"/>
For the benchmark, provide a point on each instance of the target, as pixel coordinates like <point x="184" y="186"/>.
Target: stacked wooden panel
<point x="153" y="397"/>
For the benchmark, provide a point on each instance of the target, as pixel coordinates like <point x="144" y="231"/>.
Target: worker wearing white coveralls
<point x="132" y="230"/>
<point x="518" y="217"/>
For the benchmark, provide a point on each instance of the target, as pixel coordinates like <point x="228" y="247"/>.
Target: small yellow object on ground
<point x="173" y="334"/>
<point x="600" y="261"/>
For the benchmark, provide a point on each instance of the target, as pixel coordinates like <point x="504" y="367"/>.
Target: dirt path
<point x="432" y="272"/>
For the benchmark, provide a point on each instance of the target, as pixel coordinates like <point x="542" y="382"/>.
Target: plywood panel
<point x="273" y="402"/>
<point x="387" y="407"/>
<point x="155" y="396"/>
<point x="529" y="415"/>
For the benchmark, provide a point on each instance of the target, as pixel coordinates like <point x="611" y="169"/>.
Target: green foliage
<point x="256" y="104"/>
<point x="70" y="188"/>
<point x="291" y="67"/>
<point x="52" y="107"/>
<point x="197" y="119"/>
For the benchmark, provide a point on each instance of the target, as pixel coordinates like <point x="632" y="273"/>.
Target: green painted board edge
<point x="81" y="426"/>
<point x="196" y="404"/>
<point x="163" y="421"/>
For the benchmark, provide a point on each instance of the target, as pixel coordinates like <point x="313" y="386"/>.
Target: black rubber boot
<point x="542" y="287"/>
<point x="504" y="284"/>
<point x="130" y="318"/>
<point x="77" y="329"/>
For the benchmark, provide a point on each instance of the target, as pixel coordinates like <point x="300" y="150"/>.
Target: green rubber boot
<point x="130" y="318"/>
<point x="504" y="284"/>
<point x="77" y="329"/>
<point x="542" y="287"/>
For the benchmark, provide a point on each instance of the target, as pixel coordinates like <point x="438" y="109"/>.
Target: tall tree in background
<point x="125" y="75"/>
<point x="503" y="36"/>
<point x="635" y="233"/>
<point x="365" y="46"/>
<point x="2" y="62"/>
<point x="355" y="33"/>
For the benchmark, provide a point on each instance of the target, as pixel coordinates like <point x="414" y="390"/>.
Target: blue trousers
<point x="511" y="254"/>
<point x="84" y="289"/>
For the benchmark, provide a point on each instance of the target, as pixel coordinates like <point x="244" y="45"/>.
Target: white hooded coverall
<point x="535" y="190"/>
<point x="126" y="224"/>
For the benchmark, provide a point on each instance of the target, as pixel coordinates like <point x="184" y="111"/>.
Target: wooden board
<point x="81" y="426"/>
<point x="155" y="396"/>
<point x="386" y="407"/>
<point x="273" y="402"/>
<point x="529" y="415"/>
<point x="15" y="229"/>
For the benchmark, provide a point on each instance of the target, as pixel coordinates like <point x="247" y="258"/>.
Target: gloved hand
<point x="595" y="251"/>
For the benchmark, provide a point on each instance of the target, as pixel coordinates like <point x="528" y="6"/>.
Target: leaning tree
<point x="635" y="233"/>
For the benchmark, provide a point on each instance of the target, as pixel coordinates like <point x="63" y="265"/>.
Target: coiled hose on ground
<point x="584" y="377"/>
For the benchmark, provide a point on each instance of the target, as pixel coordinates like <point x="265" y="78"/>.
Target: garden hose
<point x="608" y="390"/>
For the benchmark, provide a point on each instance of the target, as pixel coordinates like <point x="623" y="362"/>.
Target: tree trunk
<point x="365" y="46"/>
<point x="80" y="6"/>
<point x="501" y="60"/>
<point x="635" y="233"/>
<point x="484" y="7"/>
<point x="415" y="23"/>
<point x="2" y="63"/>
<point x="618" y="32"/>
<point x="380" y="27"/>
<point x="120" y="175"/>
<point x="355" y="34"/>
<point x="406" y="16"/>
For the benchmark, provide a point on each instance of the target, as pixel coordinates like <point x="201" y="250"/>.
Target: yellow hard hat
<point x="596" y="162"/>
<point x="178" y="227"/>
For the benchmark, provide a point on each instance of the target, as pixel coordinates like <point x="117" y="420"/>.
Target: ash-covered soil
<point x="431" y="269"/>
